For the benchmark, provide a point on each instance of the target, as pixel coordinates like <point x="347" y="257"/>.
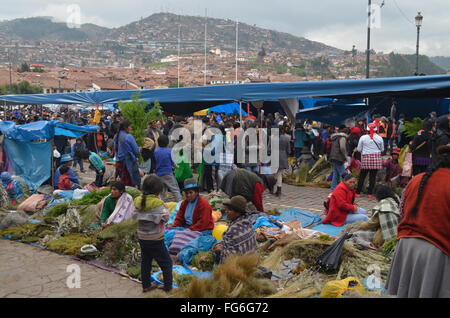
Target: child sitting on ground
<point x="152" y="216"/>
<point x="393" y="169"/>
<point x="64" y="182"/>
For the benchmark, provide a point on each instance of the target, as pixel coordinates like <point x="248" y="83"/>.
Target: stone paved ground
<point x="310" y="199"/>
<point x="27" y="271"/>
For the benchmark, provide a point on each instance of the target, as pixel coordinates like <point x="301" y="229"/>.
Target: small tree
<point x="135" y="112"/>
<point x="412" y="127"/>
<point x="24" y="67"/>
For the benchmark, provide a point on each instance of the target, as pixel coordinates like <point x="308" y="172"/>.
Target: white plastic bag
<point x="79" y="194"/>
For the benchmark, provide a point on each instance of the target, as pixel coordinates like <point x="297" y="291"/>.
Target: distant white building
<point x="169" y="59"/>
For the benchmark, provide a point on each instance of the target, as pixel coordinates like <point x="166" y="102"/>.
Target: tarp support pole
<point x="240" y="116"/>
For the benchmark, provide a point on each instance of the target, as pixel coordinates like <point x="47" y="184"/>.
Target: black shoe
<point x="278" y="194"/>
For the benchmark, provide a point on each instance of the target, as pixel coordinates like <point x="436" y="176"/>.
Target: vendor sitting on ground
<point x="117" y="207"/>
<point x="246" y="183"/>
<point x="66" y="160"/>
<point x="195" y="212"/>
<point x="15" y="192"/>
<point x="342" y="208"/>
<point x="240" y="238"/>
<point x="382" y="227"/>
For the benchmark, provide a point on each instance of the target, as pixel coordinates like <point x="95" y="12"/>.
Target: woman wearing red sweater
<point x="195" y="212"/>
<point x="342" y="208"/>
<point x="421" y="265"/>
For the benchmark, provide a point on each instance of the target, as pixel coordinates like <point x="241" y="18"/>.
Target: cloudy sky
<point x="337" y="23"/>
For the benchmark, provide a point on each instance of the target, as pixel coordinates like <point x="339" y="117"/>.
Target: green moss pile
<point x="181" y="280"/>
<point x="388" y="247"/>
<point x="57" y="210"/>
<point x="134" y="272"/>
<point x="97" y="196"/>
<point x="88" y="215"/>
<point x="70" y="244"/>
<point x="30" y="232"/>
<point x="119" y="244"/>
<point x="204" y="261"/>
<point x="92" y="198"/>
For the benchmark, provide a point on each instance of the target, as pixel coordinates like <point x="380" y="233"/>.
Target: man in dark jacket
<point x="246" y="183"/>
<point x="421" y="148"/>
<point x="338" y="155"/>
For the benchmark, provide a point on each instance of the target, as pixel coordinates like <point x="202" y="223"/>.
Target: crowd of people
<point x="420" y="218"/>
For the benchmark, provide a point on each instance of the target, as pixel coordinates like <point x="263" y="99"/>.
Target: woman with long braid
<point x="421" y="265"/>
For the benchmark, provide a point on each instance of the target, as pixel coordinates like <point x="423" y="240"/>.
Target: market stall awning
<point x="44" y="130"/>
<point x="191" y="99"/>
<point x="334" y="114"/>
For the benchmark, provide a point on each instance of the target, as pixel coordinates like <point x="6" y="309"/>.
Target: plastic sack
<point x="218" y="231"/>
<point x="171" y="206"/>
<point x="33" y="203"/>
<point x="337" y="288"/>
<point x="63" y="194"/>
<point x="401" y="157"/>
<point x="217" y="215"/>
<point x="407" y="165"/>
<point x="79" y="194"/>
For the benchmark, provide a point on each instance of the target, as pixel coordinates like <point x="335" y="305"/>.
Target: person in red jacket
<point x="421" y="264"/>
<point x="195" y="212"/>
<point x="64" y="180"/>
<point x="342" y="208"/>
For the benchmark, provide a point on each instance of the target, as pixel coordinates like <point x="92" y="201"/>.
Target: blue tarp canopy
<point x="232" y="108"/>
<point x="334" y="114"/>
<point x="33" y="160"/>
<point x="44" y="130"/>
<point x="186" y="100"/>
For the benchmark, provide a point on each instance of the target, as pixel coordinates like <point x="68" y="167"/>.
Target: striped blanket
<point x="180" y="239"/>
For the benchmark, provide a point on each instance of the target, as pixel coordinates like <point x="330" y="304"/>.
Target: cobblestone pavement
<point x="309" y="199"/>
<point x="30" y="272"/>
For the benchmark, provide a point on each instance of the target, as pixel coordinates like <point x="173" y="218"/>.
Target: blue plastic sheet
<point x="30" y="160"/>
<point x="328" y="229"/>
<point x="200" y="244"/>
<point x="228" y="109"/>
<point x="306" y="218"/>
<point x="43" y="130"/>
<point x="182" y="271"/>
<point x="265" y="221"/>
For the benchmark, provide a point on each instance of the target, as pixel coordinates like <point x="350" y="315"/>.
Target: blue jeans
<point x="79" y="162"/>
<point x="360" y="216"/>
<point x="254" y="169"/>
<point x="338" y="171"/>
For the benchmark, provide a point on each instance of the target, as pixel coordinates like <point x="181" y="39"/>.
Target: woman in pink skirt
<point x="371" y="147"/>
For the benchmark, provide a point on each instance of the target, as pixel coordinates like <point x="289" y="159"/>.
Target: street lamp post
<point x="419" y="19"/>
<point x="368" y="42"/>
